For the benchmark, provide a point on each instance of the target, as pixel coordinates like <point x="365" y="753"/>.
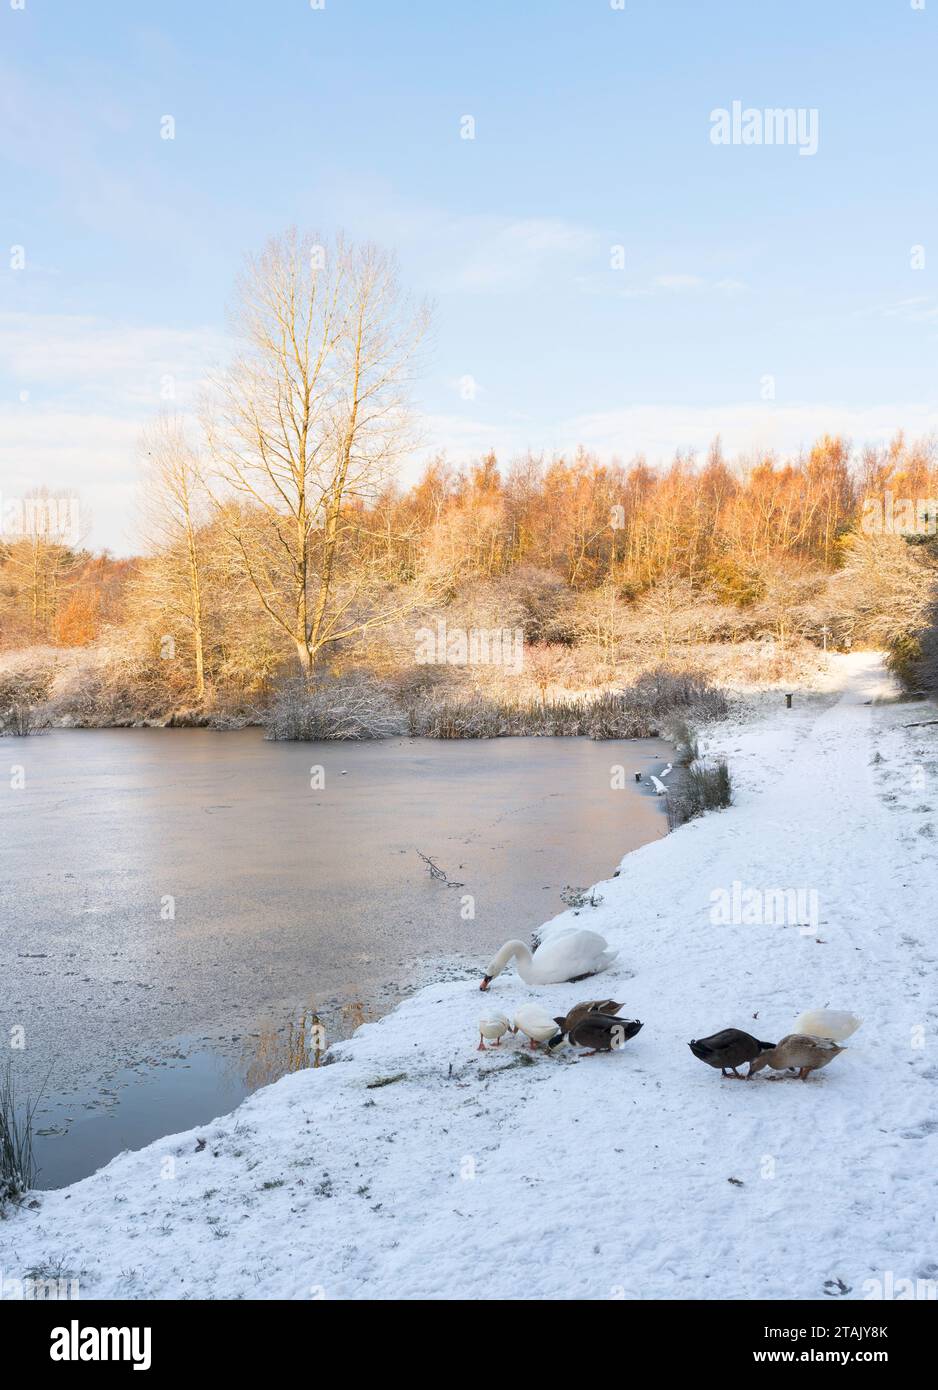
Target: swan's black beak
<point x="486" y="981"/>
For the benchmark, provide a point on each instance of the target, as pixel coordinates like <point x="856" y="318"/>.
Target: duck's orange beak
<point x="486" y="981"/>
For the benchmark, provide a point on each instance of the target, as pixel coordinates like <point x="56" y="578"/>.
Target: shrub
<point x="912" y="656"/>
<point x="713" y="787"/>
<point x="17" y="1165"/>
<point x="475" y="717"/>
<point x="534" y="599"/>
<point x="886" y="586"/>
<point x="624" y="715"/>
<point x="347" y="708"/>
<point x="118" y="689"/>
<point x="546" y="604"/>
<point x="609" y="715"/>
<point x="636" y="712"/>
<point x="661" y="690"/>
<point x="23" y="692"/>
<point x="705" y="788"/>
<point x="686" y="748"/>
<point x="927" y="672"/>
<point x="904" y="660"/>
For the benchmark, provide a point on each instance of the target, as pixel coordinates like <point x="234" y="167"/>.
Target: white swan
<point x="536" y="1023"/>
<point x="835" y="1024"/>
<point x="568" y="955"/>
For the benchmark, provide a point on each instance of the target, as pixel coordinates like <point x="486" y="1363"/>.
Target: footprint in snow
<point x="921" y="1131"/>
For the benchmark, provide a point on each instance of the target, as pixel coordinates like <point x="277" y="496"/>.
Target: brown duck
<point x="798" y="1050"/>
<point x="729" y="1049"/>
<point x="590" y="1006"/>
<point x="599" y="1032"/>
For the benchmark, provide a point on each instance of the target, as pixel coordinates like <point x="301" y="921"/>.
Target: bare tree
<point x="665" y="611"/>
<point x="46" y="531"/>
<point x="306" y="426"/>
<point x="173" y="511"/>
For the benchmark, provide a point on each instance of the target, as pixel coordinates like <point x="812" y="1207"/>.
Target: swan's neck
<point x="522" y="956"/>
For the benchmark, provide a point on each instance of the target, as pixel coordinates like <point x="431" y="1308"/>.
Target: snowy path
<point x="476" y="1175"/>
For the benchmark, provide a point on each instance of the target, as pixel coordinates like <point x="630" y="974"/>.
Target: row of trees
<point x="277" y="530"/>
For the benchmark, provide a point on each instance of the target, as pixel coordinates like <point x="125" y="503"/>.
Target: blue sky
<point x="592" y="131"/>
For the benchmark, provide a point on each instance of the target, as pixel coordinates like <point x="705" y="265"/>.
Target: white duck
<point x="536" y="1023"/>
<point x="568" y="955"/>
<point x="494" y="1027"/>
<point x="834" y="1024"/>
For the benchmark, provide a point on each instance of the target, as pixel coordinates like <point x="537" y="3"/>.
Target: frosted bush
<point x="350" y="708"/>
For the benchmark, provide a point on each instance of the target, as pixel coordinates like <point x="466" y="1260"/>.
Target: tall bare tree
<point x="172" y="513"/>
<point x="306" y="426"/>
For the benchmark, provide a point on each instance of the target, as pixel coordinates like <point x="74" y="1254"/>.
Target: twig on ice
<point x="436" y="872"/>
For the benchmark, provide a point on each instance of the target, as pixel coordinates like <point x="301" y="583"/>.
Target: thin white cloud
<point x="79" y="392"/>
<point x="659" y="431"/>
<point x="916" y="309"/>
<point x="463" y="437"/>
<point x="465" y="252"/>
<point x="489" y="253"/>
<point x="89" y="453"/>
<point x="121" y="366"/>
<point x="687" y="284"/>
<point x="612" y="282"/>
<point x="678" y="282"/>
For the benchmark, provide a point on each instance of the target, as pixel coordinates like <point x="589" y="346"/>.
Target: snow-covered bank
<point x="417" y="1167"/>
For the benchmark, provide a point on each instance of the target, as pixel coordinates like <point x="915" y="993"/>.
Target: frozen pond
<point x="167" y="896"/>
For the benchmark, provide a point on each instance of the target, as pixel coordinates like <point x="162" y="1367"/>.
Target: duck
<point x="536" y="1023"/>
<point x="569" y="955"/>
<point x="597" y="1031"/>
<point x="492" y="1026"/>
<point x="589" y="1006"/>
<point x="835" y="1024"/>
<point x="728" y="1049"/>
<point x="798" y="1050"/>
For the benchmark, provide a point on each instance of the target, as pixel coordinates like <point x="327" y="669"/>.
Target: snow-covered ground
<point x="640" y="1174"/>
